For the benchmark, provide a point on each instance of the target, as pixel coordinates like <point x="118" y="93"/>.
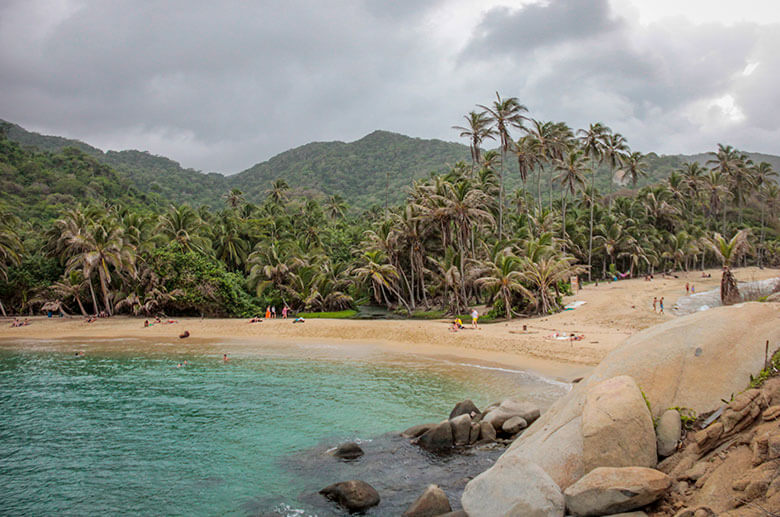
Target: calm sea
<point x="134" y="433"/>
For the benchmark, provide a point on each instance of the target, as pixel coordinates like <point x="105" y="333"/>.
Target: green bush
<point x="349" y="313"/>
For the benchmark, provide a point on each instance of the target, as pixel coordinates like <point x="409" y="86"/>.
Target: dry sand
<point x="612" y="313"/>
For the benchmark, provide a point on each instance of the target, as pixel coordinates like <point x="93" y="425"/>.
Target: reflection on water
<point x="134" y="433"/>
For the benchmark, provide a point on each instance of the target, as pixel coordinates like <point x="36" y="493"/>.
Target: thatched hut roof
<point x="54" y="306"/>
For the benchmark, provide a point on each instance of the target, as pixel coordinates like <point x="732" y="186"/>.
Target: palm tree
<point x="336" y="207"/>
<point x="380" y="276"/>
<point x="592" y="142"/>
<point x="278" y="191"/>
<point x="477" y="130"/>
<point x="615" y="152"/>
<point x="728" y="252"/>
<point x="527" y="160"/>
<point x="505" y="114"/>
<point x="571" y="178"/>
<point x="544" y="273"/>
<point x="69" y="286"/>
<point x="181" y="225"/>
<point x="10" y="246"/>
<point x="763" y="174"/>
<point x="633" y="168"/>
<point x="234" y="198"/>
<point x="504" y="277"/>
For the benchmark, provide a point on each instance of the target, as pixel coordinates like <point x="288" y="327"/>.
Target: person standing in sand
<point x="655" y="302"/>
<point x="474" y="318"/>
<point x="687" y="288"/>
<point x="661" y="305"/>
<point x="268" y="312"/>
<point x="273" y="312"/>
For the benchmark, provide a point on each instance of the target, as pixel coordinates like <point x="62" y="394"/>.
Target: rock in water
<point x="609" y="490"/>
<point x="617" y="428"/>
<point x="348" y="451"/>
<point x="437" y="440"/>
<point x="516" y="488"/>
<point x="417" y="430"/>
<point x="461" y="429"/>
<point x="431" y="503"/>
<point x="465" y="407"/>
<point x="514" y="425"/>
<point x="668" y="432"/>
<point x="354" y="495"/>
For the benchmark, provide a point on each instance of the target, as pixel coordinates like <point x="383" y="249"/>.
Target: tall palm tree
<point x="615" y="153"/>
<point x="477" y="130"/>
<point x="181" y="224"/>
<point x="505" y="114"/>
<point x="572" y="170"/>
<point x="234" y="198"/>
<point x="336" y="207"/>
<point x="278" y="191"/>
<point x="592" y="142"/>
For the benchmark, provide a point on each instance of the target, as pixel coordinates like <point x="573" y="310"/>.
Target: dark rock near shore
<point x="437" y="440"/>
<point x="487" y="432"/>
<point x="354" y="495"/>
<point x="418" y="430"/>
<point x="461" y="429"/>
<point x="466" y="407"/>
<point x="431" y="503"/>
<point x="348" y="451"/>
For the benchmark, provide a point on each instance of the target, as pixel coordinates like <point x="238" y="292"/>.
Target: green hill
<point x="362" y="172"/>
<point x="359" y="171"/>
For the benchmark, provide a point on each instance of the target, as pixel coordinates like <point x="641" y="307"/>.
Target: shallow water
<point x="132" y="433"/>
<point x="708" y="299"/>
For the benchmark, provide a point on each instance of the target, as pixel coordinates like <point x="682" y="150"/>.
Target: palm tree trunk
<point x="2" y="309"/>
<point x="539" y="186"/>
<point x="501" y="196"/>
<point x="563" y="226"/>
<point x="761" y="245"/>
<point x="592" y="203"/>
<point x="81" y="306"/>
<point x="104" y="288"/>
<point x="94" y="298"/>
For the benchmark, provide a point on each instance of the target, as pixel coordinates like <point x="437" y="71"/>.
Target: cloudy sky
<point x="220" y="86"/>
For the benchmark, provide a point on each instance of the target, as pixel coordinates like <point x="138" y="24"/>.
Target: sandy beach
<point x="611" y="313"/>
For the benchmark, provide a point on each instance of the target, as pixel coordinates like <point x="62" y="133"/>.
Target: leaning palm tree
<point x="477" y="130"/>
<point x="571" y="178"/>
<point x="505" y="114"/>
<point x="379" y="276"/>
<point x="728" y="252"/>
<point x="544" y="274"/>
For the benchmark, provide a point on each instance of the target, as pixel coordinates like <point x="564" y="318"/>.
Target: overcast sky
<point x="220" y="86"/>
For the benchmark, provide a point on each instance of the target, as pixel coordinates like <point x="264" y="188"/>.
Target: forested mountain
<point x="364" y="172"/>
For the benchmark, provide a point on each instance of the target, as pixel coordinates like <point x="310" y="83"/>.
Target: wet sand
<point x="612" y="312"/>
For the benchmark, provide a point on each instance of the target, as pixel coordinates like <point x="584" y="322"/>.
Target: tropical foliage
<point x="74" y="230"/>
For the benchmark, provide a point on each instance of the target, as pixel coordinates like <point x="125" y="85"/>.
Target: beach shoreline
<point x="612" y="312"/>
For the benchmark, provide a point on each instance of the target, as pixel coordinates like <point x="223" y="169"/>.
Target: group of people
<point x="457" y="324"/>
<point x="18" y="323"/>
<point x="690" y="288"/>
<point x="270" y="312"/>
<point x="658" y="304"/>
<point x="158" y="321"/>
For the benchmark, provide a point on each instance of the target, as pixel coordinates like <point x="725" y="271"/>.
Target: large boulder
<point x="617" y="428"/>
<point x="514" y="425"/>
<point x="487" y="432"/>
<point x="668" y="432"/>
<point x="466" y="407"/>
<point x="609" y="490"/>
<point x="418" y="430"/>
<point x="691" y="361"/>
<point x="516" y="488"/>
<point x="438" y="439"/>
<point x="461" y="429"/>
<point x="431" y="503"/>
<point x="348" y="451"/>
<point x="354" y="495"/>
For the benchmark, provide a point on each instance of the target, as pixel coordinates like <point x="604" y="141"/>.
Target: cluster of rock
<point x="596" y="451"/>
<point x="731" y="467"/>
<point x="468" y="426"/>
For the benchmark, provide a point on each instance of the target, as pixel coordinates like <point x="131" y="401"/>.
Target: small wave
<point x="519" y="372"/>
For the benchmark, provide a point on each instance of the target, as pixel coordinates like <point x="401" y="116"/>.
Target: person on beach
<point x="285" y="309"/>
<point x="661" y="305"/>
<point x="655" y="303"/>
<point x="268" y="312"/>
<point x="273" y="311"/>
<point x="693" y="289"/>
<point x="299" y="319"/>
<point x="474" y="318"/>
<point x="225" y="358"/>
<point x="687" y="288"/>
<point x="184" y="334"/>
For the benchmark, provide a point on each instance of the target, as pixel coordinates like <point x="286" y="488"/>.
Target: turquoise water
<point x="135" y="434"/>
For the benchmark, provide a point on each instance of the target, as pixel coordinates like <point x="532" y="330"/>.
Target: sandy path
<point x="612" y="312"/>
